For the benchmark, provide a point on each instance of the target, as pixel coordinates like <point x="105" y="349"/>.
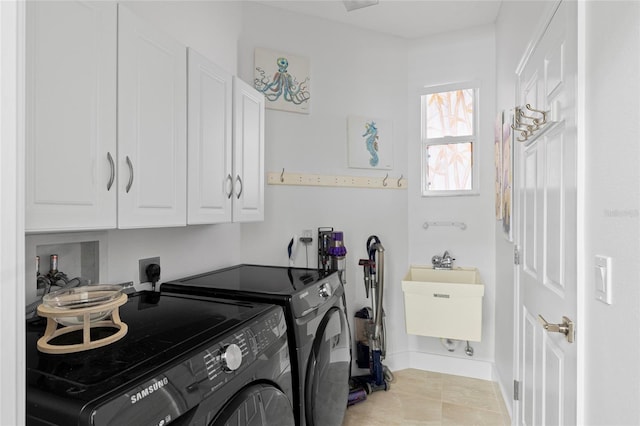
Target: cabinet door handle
<point x="240" y="182"/>
<point x="130" y="174"/>
<point x="230" y="185"/>
<point x="113" y="171"/>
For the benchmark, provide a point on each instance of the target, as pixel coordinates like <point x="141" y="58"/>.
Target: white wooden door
<point x="546" y="206"/>
<point x="71" y="115"/>
<point x="248" y="153"/>
<point x="152" y="134"/>
<point x="210" y="139"/>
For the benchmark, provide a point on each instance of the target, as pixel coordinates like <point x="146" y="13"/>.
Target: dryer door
<point x="256" y="405"/>
<point x="327" y="385"/>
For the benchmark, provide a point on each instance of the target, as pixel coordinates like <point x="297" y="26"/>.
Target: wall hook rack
<point x="306" y="179"/>
<point x="460" y="225"/>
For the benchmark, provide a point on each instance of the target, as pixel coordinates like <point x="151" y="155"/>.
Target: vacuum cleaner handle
<point x="367" y="264"/>
<point x="371" y="241"/>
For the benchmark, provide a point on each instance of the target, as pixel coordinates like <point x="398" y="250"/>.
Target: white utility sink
<point x="443" y="303"/>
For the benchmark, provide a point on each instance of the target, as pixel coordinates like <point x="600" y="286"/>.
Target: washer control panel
<point x="176" y="390"/>
<point x="240" y="349"/>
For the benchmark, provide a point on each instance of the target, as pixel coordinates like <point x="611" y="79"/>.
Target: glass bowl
<point x="82" y="297"/>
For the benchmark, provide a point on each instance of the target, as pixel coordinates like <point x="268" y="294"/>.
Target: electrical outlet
<point x="142" y="267"/>
<point x="307" y="237"/>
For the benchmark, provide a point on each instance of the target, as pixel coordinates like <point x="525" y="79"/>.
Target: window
<point x="449" y="122"/>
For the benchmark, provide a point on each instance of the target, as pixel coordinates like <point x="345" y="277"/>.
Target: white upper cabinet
<point x="71" y="116"/>
<point x="210" y="174"/>
<point x="248" y="153"/>
<point x="221" y="190"/>
<point x="107" y="126"/>
<point x="152" y="133"/>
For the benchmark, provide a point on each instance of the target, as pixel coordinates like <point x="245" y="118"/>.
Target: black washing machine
<point x="184" y="361"/>
<point x="317" y="327"/>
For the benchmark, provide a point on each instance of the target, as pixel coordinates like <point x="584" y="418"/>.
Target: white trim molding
<point x="12" y="246"/>
<point x="467" y="367"/>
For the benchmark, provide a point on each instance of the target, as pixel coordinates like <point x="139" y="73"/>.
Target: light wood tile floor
<point x="420" y="397"/>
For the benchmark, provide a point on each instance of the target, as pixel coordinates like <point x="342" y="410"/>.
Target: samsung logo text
<point x="138" y="396"/>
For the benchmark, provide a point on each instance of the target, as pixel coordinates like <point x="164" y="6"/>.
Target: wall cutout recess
<point x="55" y="263"/>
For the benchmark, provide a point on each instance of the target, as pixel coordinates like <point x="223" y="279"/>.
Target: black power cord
<point x="153" y="274"/>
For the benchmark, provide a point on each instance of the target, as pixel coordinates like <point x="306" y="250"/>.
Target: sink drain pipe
<point x="452" y="344"/>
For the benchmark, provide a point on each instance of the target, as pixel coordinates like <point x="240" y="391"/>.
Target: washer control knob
<point x="231" y="357"/>
<point x="325" y="291"/>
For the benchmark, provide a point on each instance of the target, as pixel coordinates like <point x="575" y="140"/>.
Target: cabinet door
<point x="248" y="153"/>
<point x="152" y="139"/>
<point x="71" y="115"/>
<point x="209" y="176"/>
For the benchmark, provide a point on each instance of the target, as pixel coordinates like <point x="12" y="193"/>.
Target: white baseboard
<point x="507" y="393"/>
<point x="476" y="369"/>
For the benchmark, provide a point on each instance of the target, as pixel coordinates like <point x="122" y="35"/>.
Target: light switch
<point x="602" y="280"/>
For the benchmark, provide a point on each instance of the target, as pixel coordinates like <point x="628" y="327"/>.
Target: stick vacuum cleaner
<point x="379" y="376"/>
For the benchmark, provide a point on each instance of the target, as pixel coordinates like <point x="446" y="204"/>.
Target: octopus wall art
<point x="369" y="142"/>
<point x="276" y="76"/>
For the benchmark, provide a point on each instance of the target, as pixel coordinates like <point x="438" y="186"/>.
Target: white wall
<point x="449" y="58"/>
<point x="513" y="35"/>
<point x="612" y="126"/>
<point x="212" y="28"/>
<point x="352" y="72"/>
<point x="359" y="72"/>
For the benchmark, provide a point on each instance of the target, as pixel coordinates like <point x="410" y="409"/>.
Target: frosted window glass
<point x="450" y="113"/>
<point x="449" y="166"/>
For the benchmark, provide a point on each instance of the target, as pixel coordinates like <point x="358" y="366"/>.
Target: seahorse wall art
<point x="284" y="80"/>
<point x="369" y="143"/>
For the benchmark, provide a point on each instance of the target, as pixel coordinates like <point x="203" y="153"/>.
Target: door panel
<point x="210" y="142"/>
<point x="554" y="68"/>
<point x="530" y="381"/>
<point x="71" y="115"/>
<point x="554" y="213"/>
<point x="553" y="365"/>
<point x="152" y="144"/>
<point x="547" y="213"/>
<point x="248" y="154"/>
<point x="529" y="209"/>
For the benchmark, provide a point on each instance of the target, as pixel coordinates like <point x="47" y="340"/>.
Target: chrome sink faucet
<point x="442" y="262"/>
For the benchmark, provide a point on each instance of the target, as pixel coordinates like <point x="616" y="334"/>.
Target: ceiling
<point x="402" y="18"/>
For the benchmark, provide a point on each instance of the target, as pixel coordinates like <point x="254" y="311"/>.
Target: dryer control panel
<point x="317" y="294"/>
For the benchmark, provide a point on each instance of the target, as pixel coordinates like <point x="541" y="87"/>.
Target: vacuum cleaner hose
<point x="380" y="292"/>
